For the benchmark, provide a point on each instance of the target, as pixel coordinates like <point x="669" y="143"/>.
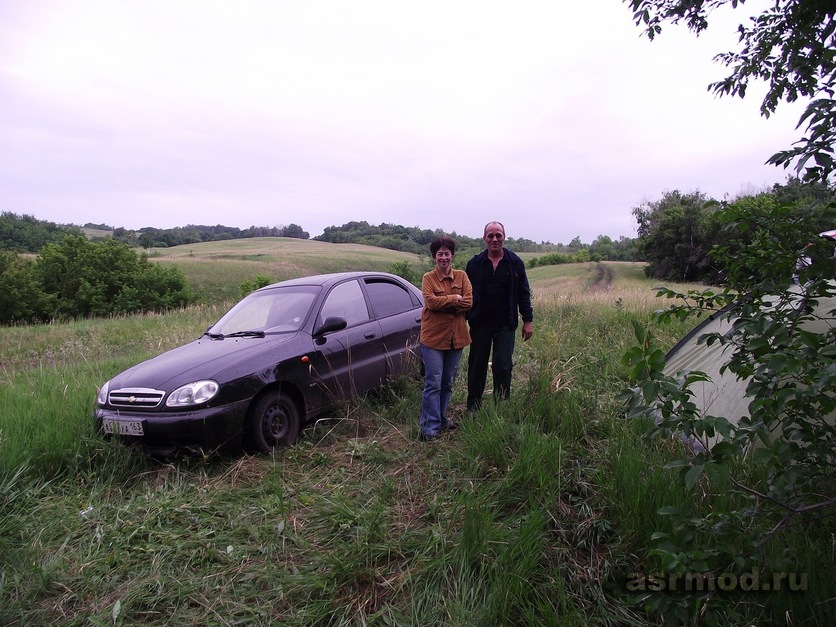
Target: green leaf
<point x="638" y="331"/>
<point x="692" y="477"/>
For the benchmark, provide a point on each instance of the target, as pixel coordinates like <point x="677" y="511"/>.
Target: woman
<point x="444" y="334"/>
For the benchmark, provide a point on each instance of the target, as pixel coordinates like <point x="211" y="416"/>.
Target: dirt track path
<point x="603" y="278"/>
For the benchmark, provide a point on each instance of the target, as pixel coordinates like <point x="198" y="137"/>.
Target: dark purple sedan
<point x="282" y="356"/>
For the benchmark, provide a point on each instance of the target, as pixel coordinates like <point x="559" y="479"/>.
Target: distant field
<point x="215" y="270"/>
<point x="285" y="252"/>
<point x="91" y="233"/>
<point x="591" y="282"/>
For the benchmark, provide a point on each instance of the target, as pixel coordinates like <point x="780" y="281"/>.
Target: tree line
<point x="27" y="234"/>
<point x="681" y="235"/>
<point x="149" y="237"/>
<point x="416" y="240"/>
<point x="412" y="239"/>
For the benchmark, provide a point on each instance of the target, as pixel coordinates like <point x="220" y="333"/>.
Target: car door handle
<point x="418" y="319"/>
<point x="370" y="335"/>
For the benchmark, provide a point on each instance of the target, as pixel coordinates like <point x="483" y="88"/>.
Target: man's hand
<point x="527" y="331"/>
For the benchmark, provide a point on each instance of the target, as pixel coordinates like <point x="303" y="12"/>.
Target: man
<point x="501" y="296"/>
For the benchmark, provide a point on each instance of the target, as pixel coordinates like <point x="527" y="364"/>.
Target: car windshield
<point x="279" y="310"/>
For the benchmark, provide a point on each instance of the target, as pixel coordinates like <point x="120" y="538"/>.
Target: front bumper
<point x="207" y="429"/>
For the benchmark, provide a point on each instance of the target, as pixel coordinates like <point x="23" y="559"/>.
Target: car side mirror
<point x="332" y="323"/>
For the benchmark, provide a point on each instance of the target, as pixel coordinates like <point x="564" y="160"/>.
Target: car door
<point x="399" y="313"/>
<point x="349" y="361"/>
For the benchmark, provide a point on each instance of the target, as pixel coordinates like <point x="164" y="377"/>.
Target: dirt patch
<point x="602" y="280"/>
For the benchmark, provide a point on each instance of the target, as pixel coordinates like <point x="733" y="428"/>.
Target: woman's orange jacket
<point x="443" y="324"/>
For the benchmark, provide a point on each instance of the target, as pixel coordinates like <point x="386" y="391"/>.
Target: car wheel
<point x="273" y="422"/>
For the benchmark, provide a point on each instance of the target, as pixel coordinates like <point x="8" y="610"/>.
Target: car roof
<point x="324" y="280"/>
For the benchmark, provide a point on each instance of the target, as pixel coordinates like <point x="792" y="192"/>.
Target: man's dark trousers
<point x="484" y="338"/>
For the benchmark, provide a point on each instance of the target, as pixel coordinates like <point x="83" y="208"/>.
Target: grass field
<point x="533" y="513"/>
<point x="215" y="270"/>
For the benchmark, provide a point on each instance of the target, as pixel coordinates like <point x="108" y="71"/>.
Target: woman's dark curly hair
<point x="438" y="242"/>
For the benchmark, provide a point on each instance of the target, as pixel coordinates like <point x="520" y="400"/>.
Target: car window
<point x="346" y="300"/>
<point x="388" y="298"/>
<point x="247" y="316"/>
<point x="289" y="310"/>
<point x="282" y="310"/>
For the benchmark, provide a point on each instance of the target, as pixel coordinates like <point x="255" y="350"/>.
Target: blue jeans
<point x="487" y="339"/>
<point x="440" y="369"/>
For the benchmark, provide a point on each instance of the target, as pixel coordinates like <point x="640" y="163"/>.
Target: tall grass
<point x="51" y="373"/>
<point x="533" y="512"/>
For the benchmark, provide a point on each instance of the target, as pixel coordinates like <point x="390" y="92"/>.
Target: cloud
<point x="555" y="118"/>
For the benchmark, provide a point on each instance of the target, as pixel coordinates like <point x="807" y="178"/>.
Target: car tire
<point x="273" y="422"/>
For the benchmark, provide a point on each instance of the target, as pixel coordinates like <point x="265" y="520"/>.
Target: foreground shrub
<point x="83" y="278"/>
<point x="772" y="468"/>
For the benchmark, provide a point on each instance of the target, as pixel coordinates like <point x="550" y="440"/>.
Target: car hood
<point x="202" y="359"/>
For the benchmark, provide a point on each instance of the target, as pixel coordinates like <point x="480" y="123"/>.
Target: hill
<point x="277" y="258"/>
<point x="215" y="270"/>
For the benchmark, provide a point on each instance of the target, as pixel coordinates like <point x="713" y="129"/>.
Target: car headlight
<point x="192" y="394"/>
<point x="101" y="397"/>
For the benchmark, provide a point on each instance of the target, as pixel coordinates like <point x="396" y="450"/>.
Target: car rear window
<point x="389" y="298"/>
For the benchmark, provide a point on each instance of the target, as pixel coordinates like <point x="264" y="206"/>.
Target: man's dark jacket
<point x="519" y="296"/>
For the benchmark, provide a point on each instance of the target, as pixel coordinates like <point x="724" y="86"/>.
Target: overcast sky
<point x="554" y="117"/>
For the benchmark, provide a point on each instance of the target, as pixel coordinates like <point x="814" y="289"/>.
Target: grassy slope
<point x="533" y="513"/>
<point x="215" y="270"/>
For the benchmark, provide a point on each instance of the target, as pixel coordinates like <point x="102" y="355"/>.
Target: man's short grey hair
<point x="494" y="222"/>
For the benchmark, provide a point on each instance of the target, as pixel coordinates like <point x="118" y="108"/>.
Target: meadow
<point x="215" y="270"/>
<point x="534" y="512"/>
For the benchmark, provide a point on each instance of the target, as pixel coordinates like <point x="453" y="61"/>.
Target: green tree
<point x="147" y="239"/>
<point x="103" y="278"/>
<point x="795" y="191"/>
<point x="602" y="248"/>
<point x="125" y="236"/>
<point x="256" y="283"/>
<point x="294" y="230"/>
<point x="21" y="296"/>
<point x="790" y="46"/>
<point x="773" y="468"/>
<point x="404" y="270"/>
<point x="28" y="234"/>
<point x="675" y="237"/>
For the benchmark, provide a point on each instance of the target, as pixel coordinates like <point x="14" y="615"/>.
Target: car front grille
<point x="136" y="397"/>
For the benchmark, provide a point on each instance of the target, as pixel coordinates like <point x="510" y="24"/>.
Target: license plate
<point x="123" y="427"/>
